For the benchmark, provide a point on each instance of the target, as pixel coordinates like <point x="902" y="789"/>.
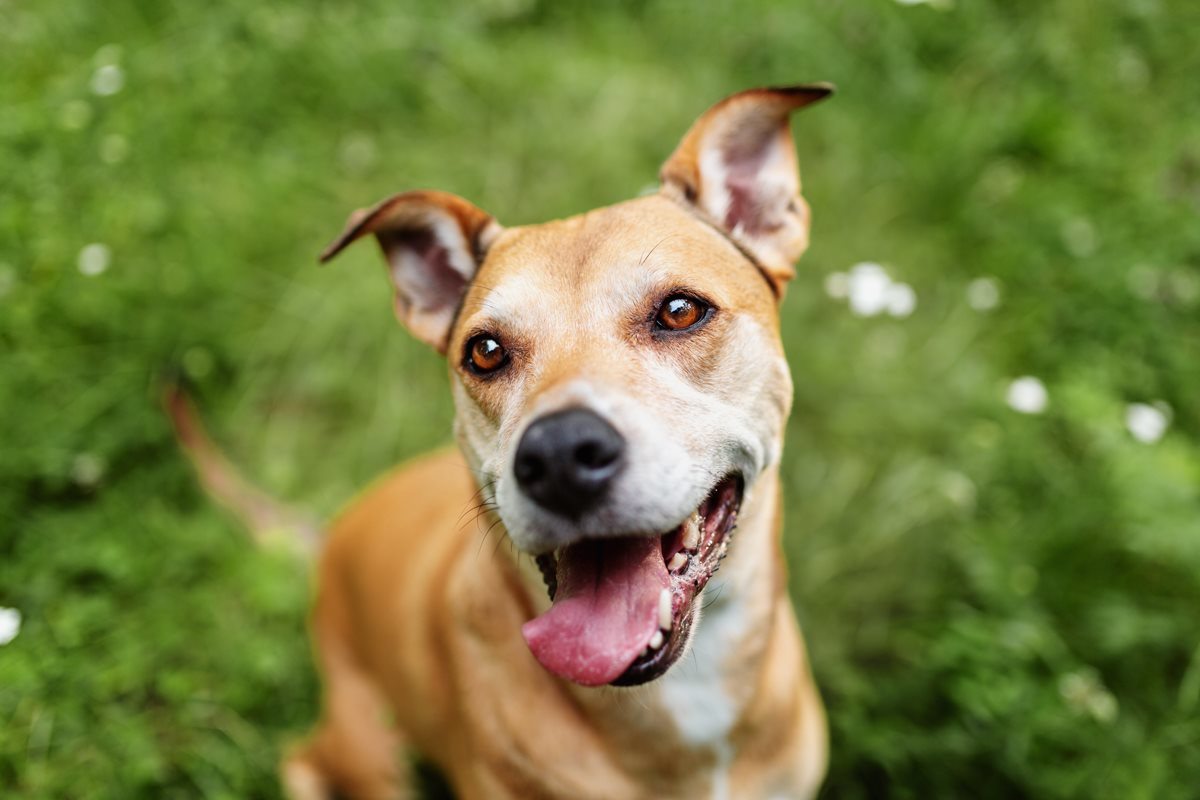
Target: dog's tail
<point x="266" y="518"/>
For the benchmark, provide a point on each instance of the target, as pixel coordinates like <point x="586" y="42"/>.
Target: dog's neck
<point x="694" y="709"/>
<point x="708" y="691"/>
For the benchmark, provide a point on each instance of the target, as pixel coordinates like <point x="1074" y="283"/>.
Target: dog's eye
<point x="485" y="354"/>
<point x="680" y="312"/>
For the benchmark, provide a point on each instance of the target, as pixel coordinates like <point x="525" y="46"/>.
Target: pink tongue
<point x="605" y="609"/>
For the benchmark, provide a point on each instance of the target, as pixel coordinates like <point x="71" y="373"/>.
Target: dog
<point x="621" y="395"/>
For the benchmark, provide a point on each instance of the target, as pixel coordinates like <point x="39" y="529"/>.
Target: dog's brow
<point x="495" y="300"/>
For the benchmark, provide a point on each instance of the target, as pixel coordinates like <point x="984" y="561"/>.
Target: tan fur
<point x="424" y="582"/>
<point x="412" y="595"/>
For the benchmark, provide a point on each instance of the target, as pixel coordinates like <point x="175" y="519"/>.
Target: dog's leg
<point x="354" y="752"/>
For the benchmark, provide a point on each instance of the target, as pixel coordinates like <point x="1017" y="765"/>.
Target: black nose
<point x="566" y="460"/>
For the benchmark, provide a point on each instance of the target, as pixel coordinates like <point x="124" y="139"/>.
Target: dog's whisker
<point x="500" y="540"/>
<point x="483" y="501"/>
<point x="503" y="534"/>
<point x="480" y="512"/>
<point x="715" y="595"/>
<point x="650" y="252"/>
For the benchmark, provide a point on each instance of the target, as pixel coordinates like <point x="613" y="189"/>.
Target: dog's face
<point x="633" y="336"/>
<point x="618" y="375"/>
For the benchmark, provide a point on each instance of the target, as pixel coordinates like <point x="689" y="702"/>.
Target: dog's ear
<point x="737" y="167"/>
<point x="433" y="242"/>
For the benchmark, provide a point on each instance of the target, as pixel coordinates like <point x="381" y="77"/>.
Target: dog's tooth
<point x="656" y="641"/>
<point x="664" y="610"/>
<point x="691" y="533"/>
<point x="676" y="562"/>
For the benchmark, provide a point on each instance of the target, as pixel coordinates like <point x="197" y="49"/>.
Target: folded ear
<point x="737" y="167"/>
<point x="433" y="242"/>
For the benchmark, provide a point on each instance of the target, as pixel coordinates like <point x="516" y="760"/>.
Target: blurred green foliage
<point x="997" y="604"/>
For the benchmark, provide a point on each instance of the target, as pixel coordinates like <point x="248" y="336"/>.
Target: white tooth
<point x="677" y="561"/>
<point x="656" y="641"/>
<point x="691" y="533"/>
<point x="664" y="610"/>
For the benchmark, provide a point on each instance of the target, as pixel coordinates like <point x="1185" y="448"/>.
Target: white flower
<point x="901" y="300"/>
<point x="837" y="285"/>
<point x="1147" y="422"/>
<point x="1144" y="281"/>
<point x="93" y="259"/>
<point x="1084" y="693"/>
<point x="1079" y="236"/>
<point x="107" y="79"/>
<point x="983" y="294"/>
<point x="959" y="488"/>
<point x="358" y="152"/>
<point x="1132" y="69"/>
<point x="87" y="469"/>
<point x="10" y="624"/>
<point x="198" y="362"/>
<point x="871" y="291"/>
<point x="1027" y="395"/>
<point x="1184" y="286"/>
<point x="867" y="289"/>
<point x="1001" y="179"/>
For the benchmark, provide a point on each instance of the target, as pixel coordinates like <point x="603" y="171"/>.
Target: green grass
<point x="997" y="604"/>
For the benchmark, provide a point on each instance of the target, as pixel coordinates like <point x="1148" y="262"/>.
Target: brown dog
<point x="621" y="396"/>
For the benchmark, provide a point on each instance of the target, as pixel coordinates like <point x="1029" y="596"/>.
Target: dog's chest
<point x="698" y="693"/>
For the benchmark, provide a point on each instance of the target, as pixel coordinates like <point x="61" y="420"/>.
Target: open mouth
<point x="622" y="608"/>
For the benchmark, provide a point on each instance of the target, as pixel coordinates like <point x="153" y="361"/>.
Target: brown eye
<point x="485" y="354"/>
<point x="680" y="312"/>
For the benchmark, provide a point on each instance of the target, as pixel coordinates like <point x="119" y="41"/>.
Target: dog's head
<point x="618" y="375"/>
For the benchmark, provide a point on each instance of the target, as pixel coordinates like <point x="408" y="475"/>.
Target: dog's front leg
<point x="353" y="752"/>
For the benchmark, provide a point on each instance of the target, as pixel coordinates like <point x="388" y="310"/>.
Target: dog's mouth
<point x="622" y="608"/>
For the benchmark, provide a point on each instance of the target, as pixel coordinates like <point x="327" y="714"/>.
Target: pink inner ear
<point x="422" y="270"/>
<point x="749" y="204"/>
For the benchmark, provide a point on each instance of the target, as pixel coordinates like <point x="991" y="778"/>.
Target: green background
<point x="997" y="604"/>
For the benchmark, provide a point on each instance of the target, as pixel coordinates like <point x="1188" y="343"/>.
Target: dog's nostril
<point x="529" y="468"/>
<point x="593" y="455"/>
